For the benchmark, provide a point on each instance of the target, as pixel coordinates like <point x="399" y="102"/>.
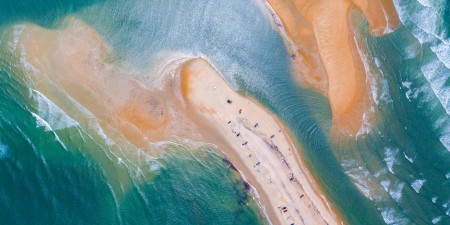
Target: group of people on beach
<point x="283" y="209"/>
<point x="238" y="134"/>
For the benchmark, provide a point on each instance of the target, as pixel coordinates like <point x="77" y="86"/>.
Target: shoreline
<point x="138" y="112"/>
<point x="334" y="70"/>
<point x="261" y="157"/>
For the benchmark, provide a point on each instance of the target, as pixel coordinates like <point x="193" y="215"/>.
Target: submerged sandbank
<point x="325" y="54"/>
<point x="189" y="103"/>
<point x="76" y="60"/>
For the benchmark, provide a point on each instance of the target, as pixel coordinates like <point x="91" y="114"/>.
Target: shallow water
<point x="55" y="168"/>
<point x="403" y="164"/>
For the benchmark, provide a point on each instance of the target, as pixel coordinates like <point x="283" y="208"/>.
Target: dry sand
<point x="324" y="50"/>
<point x="258" y="144"/>
<point x="190" y="102"/>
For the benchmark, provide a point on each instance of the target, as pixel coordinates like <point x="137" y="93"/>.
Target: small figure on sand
<point x="283" y="209"/>
<point x="256" y="125"/>
<point x="237" y="135"/>
<point x="272" y="136"/>
<point x="229" y="122"/>
<point x="240" y="111"/>
<point x="292" y="177"/>
<point x="229" y="101"/>
<point x="245" y="143"/>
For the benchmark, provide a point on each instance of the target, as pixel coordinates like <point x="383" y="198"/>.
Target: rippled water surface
<point x="54" y="169"/>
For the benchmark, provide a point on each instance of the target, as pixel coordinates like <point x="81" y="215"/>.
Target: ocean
<point x="60" y="168"/>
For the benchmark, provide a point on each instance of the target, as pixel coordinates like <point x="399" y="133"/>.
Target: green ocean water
<point x="55" y="170"/>
<point x="73" y="176"/>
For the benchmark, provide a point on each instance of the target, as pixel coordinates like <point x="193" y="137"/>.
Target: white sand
<point x="72" y="59"/>
<point x="271" y="162"/>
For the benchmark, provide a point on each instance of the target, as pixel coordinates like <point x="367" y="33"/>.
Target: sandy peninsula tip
<point x="257" y="144"/>
<point x="192" y="102"/>
<point x="324" y="50"/>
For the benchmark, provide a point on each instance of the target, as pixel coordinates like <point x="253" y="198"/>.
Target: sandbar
<point x="324" y="50"/>
<point x="258" y="144"/>
<point x="189" y="103"/>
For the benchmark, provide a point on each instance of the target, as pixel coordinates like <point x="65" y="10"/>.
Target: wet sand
<point x="258" y="144"/>
<point x="76" y="60"/>
<point x="324" y="50"/>
<point x="188" y="103"/>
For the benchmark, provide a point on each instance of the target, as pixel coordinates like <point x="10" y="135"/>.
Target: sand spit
<point x="190" y="102"/>
<point x="324" y="50"/>
<point x="258" y="143"/>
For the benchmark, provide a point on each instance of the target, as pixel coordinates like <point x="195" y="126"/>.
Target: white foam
<point x="411" y="93"/>
<point x="41" y="122"/>
<point x="412" y="51"/>
<point x="385" y="93"/>
<point x="410" y="159"/>
<point x="385" y="184"/>
<point x="17" y="32"/>
<point x="436" y="220"/>
<point x="434" y="199"/>
<point x="366" y="126"/>
<point x="154" y="166"/>
<point x="442" y="51"/>
<point x="425" y="3"/>
<point x="445" y="140"/>
<point x="396" y="191"/>
<point x="435" y="75"/>
<point x="102" y="134"/>
<point x="392" y="216"/>
<point x="418" y="184"/>
<point x="447" y="175"/>
<point x="50" y="112"/>
<point x="390" y="155"/>
<point x="23" y="60"/>
<point x="91" y="120"/>
<point x="426" y="19"/>
<point x="381" y="172"/>
<point x="426" y="27"/>
<point x="440" y="122"/>
<point x="3" y="150"/>
<point x="359" y="175"/>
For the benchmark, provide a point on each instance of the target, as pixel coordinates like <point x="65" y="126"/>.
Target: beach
<point x="225" y="112"/>
<point x="190" y="102"/>
<point x="257" y="144"/>
<point x="325" y="52"/>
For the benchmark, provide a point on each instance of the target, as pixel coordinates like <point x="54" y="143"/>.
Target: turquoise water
<point x="403" y="165"/>
<point x="54" y="170"/>
<point x="72" y="176"/>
